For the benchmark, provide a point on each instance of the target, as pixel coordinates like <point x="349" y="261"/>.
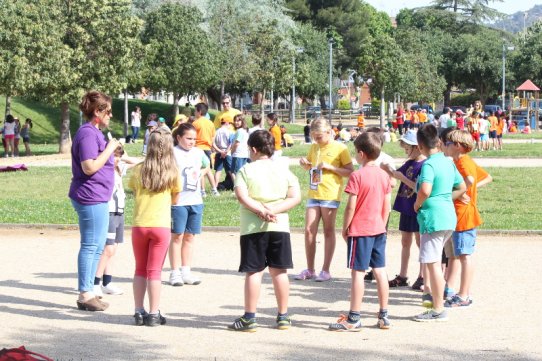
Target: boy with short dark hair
<point x="364" y="229"/>
<point x="458" y="144"/>
<point x="438" y="184"/>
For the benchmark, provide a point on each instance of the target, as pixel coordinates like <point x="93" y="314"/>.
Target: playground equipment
<point x="525" y="106"/>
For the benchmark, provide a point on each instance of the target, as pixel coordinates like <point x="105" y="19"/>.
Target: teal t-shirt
<point x="437" y="212"/>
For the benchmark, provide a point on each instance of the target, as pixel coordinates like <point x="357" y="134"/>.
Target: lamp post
<point x="292" y="104"/>
<point x="351" y="74"/>
<point x="504" y="48"/>
<point x="330" y="42"/>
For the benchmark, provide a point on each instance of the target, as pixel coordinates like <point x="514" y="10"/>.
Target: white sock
<point x="185" y="270"/>
<point x="175" y="271"/>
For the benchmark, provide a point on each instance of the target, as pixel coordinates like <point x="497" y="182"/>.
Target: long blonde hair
<point x="159" y="170"/>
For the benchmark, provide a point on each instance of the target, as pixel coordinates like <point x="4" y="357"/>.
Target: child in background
<point x="256" y="123"/>
<point x="307" y="132"/>
<point x="458" y="145"/>
<point x="239" y="147"/>
<point x="493" y="126"/>
<point x="404" y="204"/>
<point x="483" y="127"/>
<point x="272" y="121"/>
<point x="364" y="230"/>
<point x="266" y="191"/>
<point x="438" y="184"/>
<point x="151" y="126"/>
<point x="187" y="212"/>
<point x="473" y="126"/>
<point x="328" y="162"/>
<point x="115" y="232"/>
<point x="9" y="135"/>
<point x="501" y="126"/>
<point x="156" y="184"/>
<point x="25" y="134"/>
<point x="222" y="146"/>
<point x="17" y="137"/>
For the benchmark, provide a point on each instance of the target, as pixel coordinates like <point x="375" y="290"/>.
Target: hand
<point x="112" y="145"/>
<point x="304" y="162"/>
<point x="345" y="234"/>
<point x="465" y="199"/>
<point x="417" y="207"/>
<point x="325" y="166"/>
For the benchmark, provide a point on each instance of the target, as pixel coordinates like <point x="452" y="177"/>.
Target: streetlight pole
<point x="504" y="49"/>
<point x="293" y="103"/>
<point x="330" y="41"/>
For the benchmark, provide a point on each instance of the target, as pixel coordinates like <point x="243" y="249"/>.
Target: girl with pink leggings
<point x="156" y="184"/>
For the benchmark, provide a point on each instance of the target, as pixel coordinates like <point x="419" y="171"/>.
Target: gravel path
<point x="37" y="307"/>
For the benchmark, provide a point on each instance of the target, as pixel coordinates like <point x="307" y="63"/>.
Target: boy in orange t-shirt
<point x="458" y="144"/>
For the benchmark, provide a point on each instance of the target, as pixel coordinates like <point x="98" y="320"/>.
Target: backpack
<point x="21" y="354"/>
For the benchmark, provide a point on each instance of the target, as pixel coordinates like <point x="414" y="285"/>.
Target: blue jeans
<point x="93" y="223"/>
<point x="135" y="132"/>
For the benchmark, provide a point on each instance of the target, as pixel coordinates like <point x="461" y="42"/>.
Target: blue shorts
<point x="237" y="164"/>
<point x="367" y="251"/>
<point x="493" y="134"/>
<point x="321" y="203"/>
<point x="408" y="223"/>
<point x="222" y="163"/>
<point x="186" y="219"/>
<point x="464" y="242"/>
<point x="484" y="137"/>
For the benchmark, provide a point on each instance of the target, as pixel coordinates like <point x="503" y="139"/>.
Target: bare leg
<point x="253" y="282"/>
<point x="454" y="267"/>
<point x="357" y="289"/>
<point x="406" y="243"/>
<point x="312" y="218"/>
<point x="382" y="287"/>
<point x="175" y="251"/>
<point x="417" y="237"/>
<point x="105" y="260"/>
<point x="329" y="216"/>
<point x="281" y="284"/>
<point x="140" y="287"/>
<point x="154" y="287"/>
<point x="437" y="284"/>
<point x="467" y="271"/>
<point x="187" y="249"/>
<point x="426" y="278"/>
<point x="218" y="173"/>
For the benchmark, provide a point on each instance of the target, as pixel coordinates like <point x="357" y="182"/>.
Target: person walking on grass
<point x="267" y="191"/>
<point x="438" y="184"/>
<point x="156" y="185"/>
<point x="25" y="134"/>
<point x="187" y="212"/>
<point x="364" y="230"/>
<point x="328" y="162"/>
<point x="205" y="134"/>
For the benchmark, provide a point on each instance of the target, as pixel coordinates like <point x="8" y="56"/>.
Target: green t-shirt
<point x="437" y="212"/>
<point x="267" y="181"/>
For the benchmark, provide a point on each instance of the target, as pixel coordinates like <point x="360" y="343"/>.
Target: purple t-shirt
<point x="404" y="201"/>
<point x="87" y="144"/>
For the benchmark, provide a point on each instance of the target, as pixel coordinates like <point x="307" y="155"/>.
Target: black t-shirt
<point x="307" y="130"/>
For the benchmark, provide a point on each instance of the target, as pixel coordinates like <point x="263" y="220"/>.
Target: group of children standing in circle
<point x="169" y="207"/>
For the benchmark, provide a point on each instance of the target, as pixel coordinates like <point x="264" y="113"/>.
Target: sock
<point x="107" y="279"/>
<point x="282" y="315"/>
<point x="249" y="315"/>
<point x="383" y="312"/>
<point x="185" y="270"/>
<point x="354" y="316"/>
<point x="97" y="281"/>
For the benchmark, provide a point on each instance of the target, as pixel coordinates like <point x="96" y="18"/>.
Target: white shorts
<point x="432" y="244"/>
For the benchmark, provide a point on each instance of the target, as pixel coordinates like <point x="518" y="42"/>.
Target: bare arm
<point x="423" y="193"/>
<point x="484" y="181"/>
<point x="252" y="205"/>
<point x="305" y="163"/>
<point x="387" y="207"/>
<point x="459" y="191"/>
<point x="293" y="198"/>
<point x="349" y="214"/>
<point x="343" y="171"/>
<point x="91" y="166"/>
<point x="175" y="197"/>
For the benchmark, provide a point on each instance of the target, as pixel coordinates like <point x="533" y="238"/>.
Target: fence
<point x="301" y="115"/>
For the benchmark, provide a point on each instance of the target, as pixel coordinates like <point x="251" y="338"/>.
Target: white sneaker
<point x="191" y="280"/>
<point x="215" y="193"/>
<point x="111" y="289"/>
<point x="98" y="291"/>
<point x="176" y="278"/>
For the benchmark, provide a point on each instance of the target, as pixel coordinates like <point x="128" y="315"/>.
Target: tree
<point x="178" y="51"/>
<point x="527" y="60"/>
<point x="477" y="11"/>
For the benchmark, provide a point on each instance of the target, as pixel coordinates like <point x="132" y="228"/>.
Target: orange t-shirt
<point x="277" y="134"/>
<point x="468" y="216"/>
<point x="493" y="123"/>
<point x="361" y="121"/>
<point x="205" y="133"/>
<point x="500" y="126"/>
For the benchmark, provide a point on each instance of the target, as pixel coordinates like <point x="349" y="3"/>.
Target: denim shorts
<point x="367" y="251"/>
<point x="321" y="203"/>
<point x="222" y="163"/>
<point x="464" y="242"/>
<point x="186" y="219"/>
<point x="237" y="164"/>
<point x="484" y="137"/>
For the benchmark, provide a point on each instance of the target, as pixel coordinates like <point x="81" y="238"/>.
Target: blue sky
<point x="392" y="7"/>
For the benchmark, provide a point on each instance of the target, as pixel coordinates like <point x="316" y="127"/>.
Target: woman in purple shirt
<point x="90" y="191"/>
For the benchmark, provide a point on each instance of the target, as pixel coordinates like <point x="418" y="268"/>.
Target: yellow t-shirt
<point x="226" y="115"/>
<point x="205" y="133"/>
<point x="333" y="153"/>
<point x="151" y="209"/>
<point x="277" y="134"/>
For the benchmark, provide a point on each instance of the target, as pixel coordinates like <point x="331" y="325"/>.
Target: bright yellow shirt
<point x="336" y="154"/>
<point x="277" y="134"/>
<point x="227" y="116"/>
<point x="151" y="209"/>
<point x="205" y="133"/>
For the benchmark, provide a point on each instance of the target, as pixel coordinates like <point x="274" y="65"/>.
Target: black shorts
<point x="408" y="223"/>
<point x="259" y="250"/>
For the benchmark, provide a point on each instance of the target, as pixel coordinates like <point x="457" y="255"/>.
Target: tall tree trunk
<point x="448" y="95"/>
<point x="65" y="141"/>
<point x="222" y="85"/>
<point x="262" y="107"/>
<point x="175" y="108"/>
<point x="8" y="106"/>
<point x="382" y="108"/>
<point x="125" y="128"/>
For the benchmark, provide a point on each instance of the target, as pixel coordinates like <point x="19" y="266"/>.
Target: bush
<point x="343" y="104"/>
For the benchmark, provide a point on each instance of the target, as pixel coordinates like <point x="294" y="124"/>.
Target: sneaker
<point x="305" y="275"/>
<point x="203" y="194"/>
<point x="399" y="281"/>
<point x="457" y="302"/>
<point x="323" y="277"/>
<point x="383" y="321"/>
<point x="111" y="289"/>
<point x="176" y="279"/>
<point x="432" y="316"/>
<point x="154" y="320"/>
<point x="448" y="294"/>
<point x="215" y="193"/>
<point x="427" y="300"/>
<point x="191" y="280"/>
<point x="283" y="322"/>
<point x="369" y="277"/>
<point x="97" y="290"/>
<point x="243" y="325"/>
<point x="342" y="325"/>
<point x="140" y="318"/>
<point x="417" y="286"/>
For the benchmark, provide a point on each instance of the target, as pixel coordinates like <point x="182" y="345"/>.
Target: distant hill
<point x="514" y="23"/>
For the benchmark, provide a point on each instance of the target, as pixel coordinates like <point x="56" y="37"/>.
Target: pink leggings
<point x="150" y="246"/>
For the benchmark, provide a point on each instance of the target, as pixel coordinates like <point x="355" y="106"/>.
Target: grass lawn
<point x="40" y="196"/>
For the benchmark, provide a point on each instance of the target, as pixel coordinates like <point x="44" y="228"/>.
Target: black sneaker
<point x="140" y="318"/>
<point x="417" y="286"/>
<point x="155" y="320"/>
<point x="244" y="325"/>
<point x="399" y="281"/>
<point x="369" y="277"/>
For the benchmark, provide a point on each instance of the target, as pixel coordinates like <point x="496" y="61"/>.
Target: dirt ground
<point x="39" y="277"/>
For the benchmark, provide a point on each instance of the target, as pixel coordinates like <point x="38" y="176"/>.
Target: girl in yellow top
<point x="156" y="184"/>
<point x="328" y="162"/>
<point x="272" y="121"/>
